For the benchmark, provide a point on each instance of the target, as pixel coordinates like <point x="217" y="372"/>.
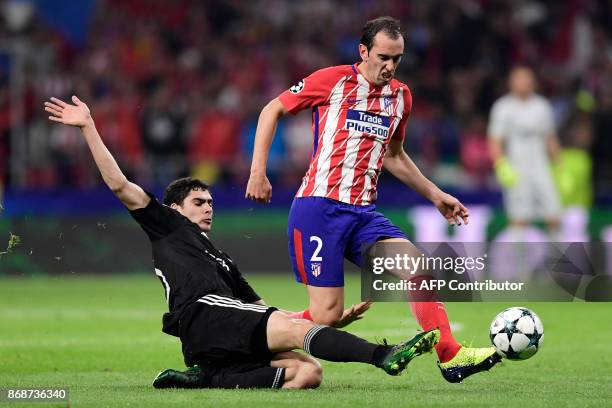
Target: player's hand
<point x="452" y="209"/>
<point x="353" y="313"/>
<point x="74" y="115"/>
<point x="259" y="189"/>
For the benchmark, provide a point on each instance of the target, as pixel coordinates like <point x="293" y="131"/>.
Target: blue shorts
<point x="322" y="232"/>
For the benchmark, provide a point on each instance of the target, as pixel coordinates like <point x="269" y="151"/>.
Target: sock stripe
<point x="308" y="338"/>
<point x="280" y="372"/>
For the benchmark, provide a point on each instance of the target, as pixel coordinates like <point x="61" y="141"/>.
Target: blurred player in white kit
<point x="523" y="140"/>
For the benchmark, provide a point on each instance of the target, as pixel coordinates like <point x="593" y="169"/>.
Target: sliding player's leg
<point x="289" y="370"/>
<point x="252" y="374"/>
<point x="328" y="343"/>
<point x="233" y="350"/>
<point x="301" y="371"/>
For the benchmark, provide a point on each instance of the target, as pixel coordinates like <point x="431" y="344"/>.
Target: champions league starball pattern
<point x="517" y="333"/>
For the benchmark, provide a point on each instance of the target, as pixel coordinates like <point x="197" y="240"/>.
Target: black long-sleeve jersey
<point x="187" y="263"/>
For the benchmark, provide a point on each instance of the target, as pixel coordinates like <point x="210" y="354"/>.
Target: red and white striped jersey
<point x="353" y="121"/>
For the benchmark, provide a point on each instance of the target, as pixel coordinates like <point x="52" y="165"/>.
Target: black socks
<point x="331" y="344"/>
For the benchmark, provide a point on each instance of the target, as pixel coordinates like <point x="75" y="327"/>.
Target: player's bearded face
<point x="197" y="207"/>
<point x="383" y="58"/>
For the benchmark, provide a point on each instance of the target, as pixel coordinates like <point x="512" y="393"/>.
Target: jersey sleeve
<point x="497" y="122"/>
<point x="311" y="91"/>
<point x="242" y="290"/>
<point x="156" y="219"/>
<point x="400" y="132"/>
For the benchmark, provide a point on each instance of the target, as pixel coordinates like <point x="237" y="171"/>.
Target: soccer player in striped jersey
<point x="229" y="336"/>
<point x="359" y="118"/>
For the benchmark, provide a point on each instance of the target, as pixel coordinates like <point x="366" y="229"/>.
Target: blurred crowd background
<point x="176" y="86"/>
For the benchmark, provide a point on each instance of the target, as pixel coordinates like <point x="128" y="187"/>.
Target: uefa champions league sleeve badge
<point x="297" y="88"/>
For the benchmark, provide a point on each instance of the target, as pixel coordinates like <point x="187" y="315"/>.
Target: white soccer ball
<point x="517" y="333"/>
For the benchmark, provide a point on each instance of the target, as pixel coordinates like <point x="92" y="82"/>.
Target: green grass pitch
<point x="100" y="337"/>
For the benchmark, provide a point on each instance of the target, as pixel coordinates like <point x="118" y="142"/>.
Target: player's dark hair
<point x="388" y="25"/>
<point x="179" y="189"/>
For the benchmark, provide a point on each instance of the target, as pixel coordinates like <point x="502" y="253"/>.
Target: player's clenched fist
<point x="259" y="189"/>
<point x="73" y="115"/>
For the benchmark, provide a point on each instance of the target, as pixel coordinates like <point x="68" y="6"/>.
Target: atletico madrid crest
<point x="315" y="268"/>
<point x="388" y="103"/>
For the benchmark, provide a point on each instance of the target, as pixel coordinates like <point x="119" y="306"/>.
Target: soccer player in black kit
<point x="230" y="337"/>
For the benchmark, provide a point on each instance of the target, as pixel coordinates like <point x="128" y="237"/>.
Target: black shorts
<point x="220" y="329"/>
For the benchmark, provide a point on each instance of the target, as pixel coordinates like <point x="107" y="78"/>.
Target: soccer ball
<point x="517" y="333"/>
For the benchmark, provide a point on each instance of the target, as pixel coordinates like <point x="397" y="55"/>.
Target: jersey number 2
<point x="315" y="255"/>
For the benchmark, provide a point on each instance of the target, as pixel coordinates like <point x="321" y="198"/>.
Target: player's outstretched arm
<point x="78" y="115"/>
<point x="398" y="163"/>
<point x="259" y="188"/>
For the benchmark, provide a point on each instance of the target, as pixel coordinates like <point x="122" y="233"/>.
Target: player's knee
<point x="309" y="375"/>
